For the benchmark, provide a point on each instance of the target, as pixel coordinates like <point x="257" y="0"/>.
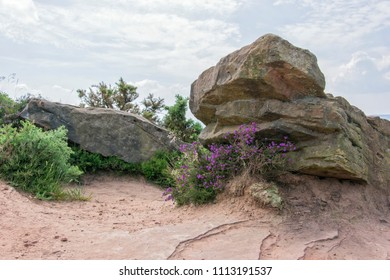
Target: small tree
<point x="152" y="107"/>
<point x="124" y="96"/>
<point x="121" y="97"/>
<point x="102" y="95"/>
<point x="175" y="120"/>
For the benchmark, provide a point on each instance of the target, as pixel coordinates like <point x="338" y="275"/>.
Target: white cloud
<point x="23" y="11"/>
<point x="168" y="92"/>
<point x="358" y="65"/>
<point x="336" y="23"/>
<point x="16" y="14"/>
<point x="363" y="81"/>
<point x="140" y="32"/>
<point x="349" y="39"/>
<point x="383" y="62"/>
<point x="370" y="103"/>
<point x="218" y="7"/>
<point x="63" y="94"/>
<point x="95" y="24"/>
<point x="16" y="90"/>
<point x="362" y="72"/>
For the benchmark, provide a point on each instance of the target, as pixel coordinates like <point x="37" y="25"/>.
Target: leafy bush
<point x="201" y="173"/>
<point x="6" y="106"/>
<point x="192" y="184"/>
<point x="156" y="169"/>
<point x="36" y="161"/>
<point x="10" y="108"/>
<point x="92" y="162"/>
<point x="175" y="120"/>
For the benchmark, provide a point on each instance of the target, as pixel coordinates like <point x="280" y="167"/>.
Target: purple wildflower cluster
<point x="205" y="169"/>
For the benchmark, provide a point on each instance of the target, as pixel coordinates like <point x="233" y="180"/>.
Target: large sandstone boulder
<point x="268" y="68"/>
<point x="280" y="87"/>
<point x="104" y="131"/>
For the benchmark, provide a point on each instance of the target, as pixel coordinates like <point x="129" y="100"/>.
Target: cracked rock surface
<point x="128" y="219"/>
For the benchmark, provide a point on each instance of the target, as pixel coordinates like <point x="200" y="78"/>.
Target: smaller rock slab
<point x="105" y="131"/>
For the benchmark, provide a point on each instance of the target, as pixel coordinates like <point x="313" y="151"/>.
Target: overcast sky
<point x="54" y="47"/>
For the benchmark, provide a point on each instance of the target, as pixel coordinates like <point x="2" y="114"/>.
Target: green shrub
<point x="195" y="195"/>
<point x="175" y="121"/>
<point x="10" y="109"/>
<point x="92" y="162"/>
<point x="36" y="161"/>
<point x="193" y="186"/>
<point x="156" y="169"/>
<point x="7" y="107"/>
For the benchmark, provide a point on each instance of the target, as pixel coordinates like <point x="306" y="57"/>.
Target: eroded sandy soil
<point x="128" y="219"/>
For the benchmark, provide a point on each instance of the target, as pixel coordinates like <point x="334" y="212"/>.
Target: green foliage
<point x="7" y="107"/>
<point x="10" y="108"/>
<point x="106" y="96"/>
<point x="36" y="161"/>
<point x="175" y="120"/>
<point x="92" y="162"/>
<point x="156" y="169"/>
<point x="196" y="196"/>
<point x="193" y="185"/>
<point x="121" y="97"/>
<point x="152" y="107"/>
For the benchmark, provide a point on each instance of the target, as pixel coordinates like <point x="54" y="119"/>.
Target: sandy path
<point x="128" y="219"/>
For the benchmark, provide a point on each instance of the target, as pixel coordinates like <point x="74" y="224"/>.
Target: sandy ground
<point x="127" y="218"/>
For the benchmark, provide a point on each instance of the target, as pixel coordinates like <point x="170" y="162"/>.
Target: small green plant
<point x="76" y="193"/>
<point x="158" y="168"/>
<point x="36" y="161"/>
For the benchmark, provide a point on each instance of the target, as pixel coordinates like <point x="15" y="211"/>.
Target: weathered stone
<point x="266" y="194"/>
<point x="104" y="131"/>
<point x="334" y="139"/>
<point x="268" y="68"/>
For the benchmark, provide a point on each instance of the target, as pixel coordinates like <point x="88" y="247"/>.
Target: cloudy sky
<point x="54" y="47"/>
